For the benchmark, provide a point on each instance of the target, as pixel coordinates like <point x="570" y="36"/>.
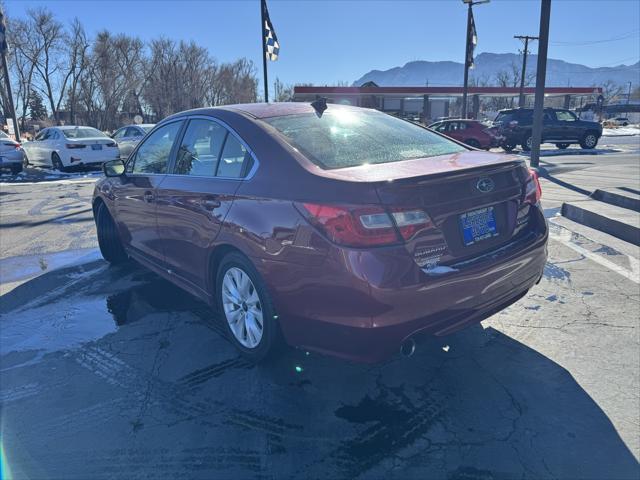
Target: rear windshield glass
<point x="82" y="132"/>
<point x="146" y="128"/>
<point x="3" y="135"/>
<point x="347" y="138"/>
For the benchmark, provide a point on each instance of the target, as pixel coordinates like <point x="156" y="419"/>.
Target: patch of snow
<point x="620" y="132"/>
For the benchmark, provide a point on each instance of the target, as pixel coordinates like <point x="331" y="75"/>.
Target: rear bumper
<point x="78" y="158"/>
<point x="361" y="306"/>
<point x="11" y="158"/>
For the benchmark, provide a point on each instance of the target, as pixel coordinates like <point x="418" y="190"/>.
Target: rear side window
<point x="152" y="157"/>
<point x="233" y="159"/>
<point x="347" y="138"/>
<point x="200" y="148"/>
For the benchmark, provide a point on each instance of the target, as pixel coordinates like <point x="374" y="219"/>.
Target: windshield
<point x="146" y="128"/>
<point x="347" y="138"/>
<point x="82" y="132"/>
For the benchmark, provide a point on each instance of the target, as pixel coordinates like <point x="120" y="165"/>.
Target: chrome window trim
<point x="237" y="136"/>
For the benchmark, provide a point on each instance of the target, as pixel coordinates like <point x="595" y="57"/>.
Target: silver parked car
<point x="11" y="154"/>
<point x="129" y="136"/>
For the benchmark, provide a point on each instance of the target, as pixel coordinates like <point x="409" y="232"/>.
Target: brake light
<point x="533" y="190"/>
<point x="364" y="226"/>
<point x="112" y="144"/>
<point x="75" y="145"/>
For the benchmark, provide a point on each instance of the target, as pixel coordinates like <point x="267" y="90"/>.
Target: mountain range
<point x="488" y="65"/>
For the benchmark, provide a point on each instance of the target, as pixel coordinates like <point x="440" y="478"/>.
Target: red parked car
<point x="345" y="231"/>
<point x="472" y="132"/>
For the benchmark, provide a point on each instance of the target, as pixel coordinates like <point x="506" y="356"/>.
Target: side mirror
<point x="114" y="168"/>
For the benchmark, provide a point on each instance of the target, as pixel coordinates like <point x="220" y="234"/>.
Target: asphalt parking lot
<point x="114" y="373"/>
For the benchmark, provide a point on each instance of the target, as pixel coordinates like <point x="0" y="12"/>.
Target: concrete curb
<point x="577" y="212"/>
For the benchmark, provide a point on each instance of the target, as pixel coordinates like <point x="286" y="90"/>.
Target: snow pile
<point x="621" y="131"/>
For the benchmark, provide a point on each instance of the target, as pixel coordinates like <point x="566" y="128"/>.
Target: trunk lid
<point x="463" y="202"/>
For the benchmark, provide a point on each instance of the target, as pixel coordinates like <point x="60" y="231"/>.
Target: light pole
<point x="468" y="54"/>
<point x="538" y="109"/>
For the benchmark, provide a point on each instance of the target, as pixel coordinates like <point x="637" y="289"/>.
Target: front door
<point x="194" y="200"/>
<point x="135" y="193"/>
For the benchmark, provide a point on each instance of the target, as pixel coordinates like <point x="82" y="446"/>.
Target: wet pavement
<point x="115" y="373"/>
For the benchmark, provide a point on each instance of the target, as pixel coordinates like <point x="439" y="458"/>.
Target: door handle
<point x="211" y="203"/>
<point x="148" y="197"/>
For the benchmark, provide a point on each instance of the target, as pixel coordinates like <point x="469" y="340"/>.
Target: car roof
<point x="263" y="110"/>
<point x="70" y="127"/>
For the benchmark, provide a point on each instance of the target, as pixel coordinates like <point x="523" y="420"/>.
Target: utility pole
<point x="538" y="109"/>
<point x="526" y="39"/>
<point x="5" y="71"/>
<point x="468" y="54"/>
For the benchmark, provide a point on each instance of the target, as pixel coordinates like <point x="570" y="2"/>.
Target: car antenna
<point x="319" y="105"/>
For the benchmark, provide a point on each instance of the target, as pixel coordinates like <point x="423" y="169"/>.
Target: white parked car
<point x="67" y="146"/>
<point x="617" y="122"/>
<point x="11" y="154"/>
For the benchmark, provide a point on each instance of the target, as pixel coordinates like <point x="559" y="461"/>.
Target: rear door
<point x="135" y="194"/>
<point x="195" y="198"/>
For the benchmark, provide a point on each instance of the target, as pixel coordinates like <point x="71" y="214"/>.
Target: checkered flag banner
<point x="472" y="39"/>
<point x="272" y="47"/>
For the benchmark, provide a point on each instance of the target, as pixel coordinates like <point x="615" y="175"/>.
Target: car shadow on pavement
<point x="148" y="386"/>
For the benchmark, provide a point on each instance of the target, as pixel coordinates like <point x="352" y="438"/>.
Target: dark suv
<point x="561" y="127"/>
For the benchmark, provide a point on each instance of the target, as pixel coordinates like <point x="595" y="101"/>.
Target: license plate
<point x="96" y="147"/>
<point x="478" y="225"/>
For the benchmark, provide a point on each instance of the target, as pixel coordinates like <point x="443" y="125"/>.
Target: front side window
<point x="564" y="116"/>
<point x="119" y="134"/>
<point x="134" y="132"/>
<point x="200" y="148"/>
<point x="82" y="132"/>
<point x="343" y="138"/>
<point x="152" y="157"/>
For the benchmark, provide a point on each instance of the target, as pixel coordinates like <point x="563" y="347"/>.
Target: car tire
<point x="508" y="147"/>
<point x="25" y="161"/>
<point x="108" y="237"/>
<point x="242" y="298"/>
<point x="625" y="124"/>
<point x="57" y="163"/>
<point x="527" y="141"/>
<point x="589" y="141"/>
<point x="16" y="169"/>
<point x="562" y="146"/>
<point x="472" y="142"/>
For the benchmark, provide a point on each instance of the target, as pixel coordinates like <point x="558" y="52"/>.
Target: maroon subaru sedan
<point x="344" y="231"/>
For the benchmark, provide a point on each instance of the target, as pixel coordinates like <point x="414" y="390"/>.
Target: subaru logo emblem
<point x="485" y="185"/>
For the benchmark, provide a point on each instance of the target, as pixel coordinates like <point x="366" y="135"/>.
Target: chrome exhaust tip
<point x="408" y="347"/>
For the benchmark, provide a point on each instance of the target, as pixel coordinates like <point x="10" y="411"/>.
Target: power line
<point x="624" y="36"/>
<point x="526" y="39"/>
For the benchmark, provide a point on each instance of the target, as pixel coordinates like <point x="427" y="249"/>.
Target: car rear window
<point x="347" y="138"/>
<point x="82" y="132"/>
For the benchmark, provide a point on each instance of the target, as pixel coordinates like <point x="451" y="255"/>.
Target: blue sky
<point x="323" y="42"/>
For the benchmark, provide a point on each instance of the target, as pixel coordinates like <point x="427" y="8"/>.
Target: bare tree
<point x="283" y="93"/>
<point x="78" y="60"/>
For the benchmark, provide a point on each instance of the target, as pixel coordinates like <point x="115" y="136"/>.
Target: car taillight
<point x="364" y="226"/>
<point x="410" y="222"/>
<point x="533" y="190"/>
<point x="75" y="145"/>
<point x="112" y="144"/>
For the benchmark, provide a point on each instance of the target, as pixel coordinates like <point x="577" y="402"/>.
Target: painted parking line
<point x="564" y="236"/>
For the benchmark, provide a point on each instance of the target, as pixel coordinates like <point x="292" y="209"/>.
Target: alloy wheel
<point x="242" y="307"/>
<point x="590" y="140"/>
